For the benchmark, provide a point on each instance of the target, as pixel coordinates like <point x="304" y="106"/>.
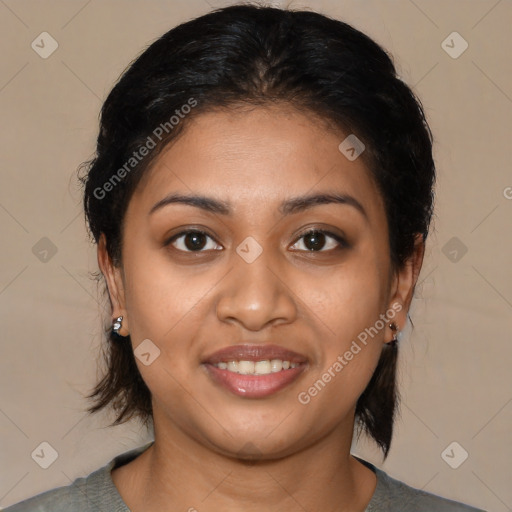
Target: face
<point x="256" y="270"/>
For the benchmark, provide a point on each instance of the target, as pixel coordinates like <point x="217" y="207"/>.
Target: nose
<point x="256" y="294"/>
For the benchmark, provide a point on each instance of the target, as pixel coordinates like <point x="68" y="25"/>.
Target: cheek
<point x="332" y="394"/>
<point x="347" y="308"/>
<point x="348" y="355"/>
<point x="349" y="299"/>
<point x="161" y="298"/>
<point x="166" y="306"/>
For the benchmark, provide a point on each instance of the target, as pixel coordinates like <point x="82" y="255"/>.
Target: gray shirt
<point x="97" y="493"/>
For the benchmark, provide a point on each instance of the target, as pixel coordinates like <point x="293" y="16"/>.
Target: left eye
<point x="317" y="237"/>
<point x="194" y="241"/>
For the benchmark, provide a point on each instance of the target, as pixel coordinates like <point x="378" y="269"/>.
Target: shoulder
<point x="392" y="495"/>
<point x="92" y="493"/>
<point x="411" y="499"/>
<point x="75" y="496"/>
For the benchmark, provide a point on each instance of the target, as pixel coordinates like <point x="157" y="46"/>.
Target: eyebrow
<point x="289" y="206"/>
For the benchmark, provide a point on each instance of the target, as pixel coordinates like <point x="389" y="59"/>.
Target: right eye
<point x="193" y="240"/>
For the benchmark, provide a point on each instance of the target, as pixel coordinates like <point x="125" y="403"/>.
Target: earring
<point x="394" y="328"/>
<point x="116" y="324"/>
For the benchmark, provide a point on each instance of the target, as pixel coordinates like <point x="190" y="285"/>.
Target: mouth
<point x="254" y="371"/>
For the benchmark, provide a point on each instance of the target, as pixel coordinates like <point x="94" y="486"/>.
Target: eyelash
<point x="342" y="244"/>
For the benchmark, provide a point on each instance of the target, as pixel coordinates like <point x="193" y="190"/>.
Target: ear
<point x="404" y="282"/>
<point x="114" y="279"/>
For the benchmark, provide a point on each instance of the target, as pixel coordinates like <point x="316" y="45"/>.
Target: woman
<point x="261" y="197"/>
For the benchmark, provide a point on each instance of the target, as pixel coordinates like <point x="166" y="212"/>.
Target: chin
<point x="254" y="442"/>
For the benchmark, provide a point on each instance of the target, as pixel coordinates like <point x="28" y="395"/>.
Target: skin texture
<point x="191" y="304"/>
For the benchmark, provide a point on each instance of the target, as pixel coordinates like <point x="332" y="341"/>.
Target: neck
<point x="179" y="473"/>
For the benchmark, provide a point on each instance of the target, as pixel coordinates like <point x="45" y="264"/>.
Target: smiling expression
<point x="273" y="182"/>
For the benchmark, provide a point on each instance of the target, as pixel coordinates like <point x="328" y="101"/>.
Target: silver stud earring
<point x="394" y="328"/>
<point x="116" y="324"/>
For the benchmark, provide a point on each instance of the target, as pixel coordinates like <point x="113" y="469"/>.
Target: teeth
<point x="245" y="367"/>
<point x="276" y="365"/>
<point x="262" y="367"/>
<point x="256" y="368"/>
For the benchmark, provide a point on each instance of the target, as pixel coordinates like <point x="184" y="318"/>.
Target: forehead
<point x="254" y="159"/>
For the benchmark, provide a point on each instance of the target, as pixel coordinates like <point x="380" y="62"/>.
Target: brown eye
<point x="192" y="241"/>
<point x="317" y="239"/>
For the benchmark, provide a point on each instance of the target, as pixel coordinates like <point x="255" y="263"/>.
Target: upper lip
<point x="253" y="352"/>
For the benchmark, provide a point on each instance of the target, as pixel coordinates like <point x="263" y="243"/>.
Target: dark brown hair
<point x="252" y="55"/>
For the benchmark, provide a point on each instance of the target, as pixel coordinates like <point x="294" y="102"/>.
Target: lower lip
<point x="254" y="386"/>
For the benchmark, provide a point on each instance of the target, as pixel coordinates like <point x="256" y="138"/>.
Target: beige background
<point x="455" y="365"/>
